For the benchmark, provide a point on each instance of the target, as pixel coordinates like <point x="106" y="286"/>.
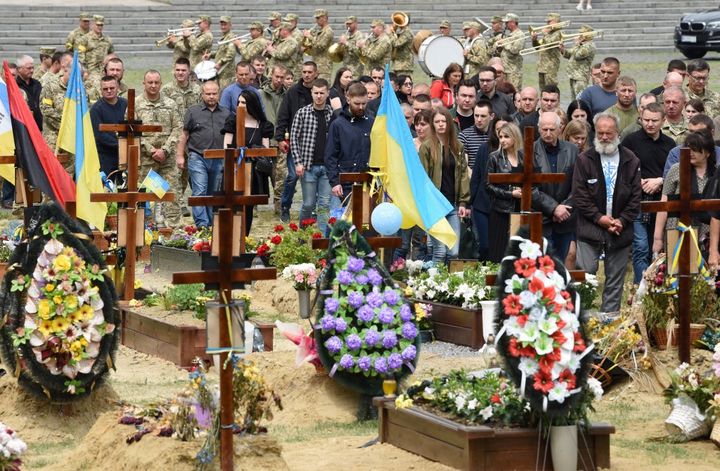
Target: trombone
<point x="552" y="27"/>
<point x="242" y="37"/>
<point x="502" y="42"/>
<point x="563" y="39"/>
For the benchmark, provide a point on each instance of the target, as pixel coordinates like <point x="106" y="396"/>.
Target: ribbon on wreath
<point x="675" y="259"/>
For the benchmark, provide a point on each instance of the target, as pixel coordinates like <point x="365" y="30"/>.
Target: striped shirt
<point x="471" y="139"/>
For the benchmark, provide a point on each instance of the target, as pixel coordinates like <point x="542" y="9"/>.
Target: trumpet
<point x="175" y="33"/>
<point x="242" y="37"/>
<point x="552" y="27"/>
<point x="563" y="39"/>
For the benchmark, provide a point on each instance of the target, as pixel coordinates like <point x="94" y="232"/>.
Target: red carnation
<point x="293" y="227"/>
<point x="495" y="399"/>
<point x="332" y="221"/>
<point x="548" y="293"/>
<point x="561" y="324"/>
<point x="525" y="267"/>
<point x="513" y="347"/>
<point x="543" y="382"/>
<point x="279" y="228"/>
<point x="522" y="320"/>
<point x="546" y="264"/>
<point x="546" y="364"/>
<point x="559" y="337"/>
<point x="579" y="343"/>
<point x="276" y="239"/>
<point x="322" y="262"/>
<point x="307" y="222"/>
<point x="512" y="305"/>
<point x="554" y="355"/>
<point x="317" y="235"/>
<point x="528" y="351"/>
<point x="263" y="249"/>
<point x="569" y="378"/>
<point x="536" y="285"/>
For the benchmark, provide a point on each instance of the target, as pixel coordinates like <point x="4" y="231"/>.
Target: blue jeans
<point x="440" y="252"/>
<point x="559" y="243"/>
<point x="641" y="247"/>
<point x="205" y="178"/>
<point x="290" y="184"/>
<point x="480" y="229"/>
<point x="315" y="187"/>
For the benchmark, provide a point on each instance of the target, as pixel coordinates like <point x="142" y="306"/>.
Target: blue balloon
<point x="386" y="219"/>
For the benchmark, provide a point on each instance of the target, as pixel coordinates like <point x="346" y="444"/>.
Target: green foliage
<point x="295" y="246"/>
<point x="190" y="297"/>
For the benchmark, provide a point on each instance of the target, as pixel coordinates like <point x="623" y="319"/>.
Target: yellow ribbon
<point x="702" y="269"/>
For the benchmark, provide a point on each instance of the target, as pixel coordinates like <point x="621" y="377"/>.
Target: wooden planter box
<point x="171" y="259"/>
<point x="457" y="325"/>
<point x="178" y="344"/>
<point x="480" y="447"/>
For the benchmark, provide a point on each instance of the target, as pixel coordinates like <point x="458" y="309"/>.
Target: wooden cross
<point x="224" y="277"/>
<point x="358" y="202"/>
<point x="243" y="176"/>
<point x="685" y="206"/>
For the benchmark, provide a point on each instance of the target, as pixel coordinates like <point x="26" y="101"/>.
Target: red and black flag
<point x="34" y="156"/>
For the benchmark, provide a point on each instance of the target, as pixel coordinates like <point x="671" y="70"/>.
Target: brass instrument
<point x="336" y="51"/>
<point x="176" y="33"/>
<point x="552" y="27"/>
<point x="505" y="40"/>
<point x="242" y="37"/>
<point x="399" y="19"/>
<point x="307" y="41"/>
<point x="563" y="39"/>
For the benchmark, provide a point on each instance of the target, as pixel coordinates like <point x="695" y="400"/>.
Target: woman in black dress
<point x="258" y="131"/>
<point x="343" y="77"/>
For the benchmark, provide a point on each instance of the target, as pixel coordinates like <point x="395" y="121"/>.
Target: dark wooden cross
<point x="358" y="203"/>
<point x="224" y="277"/>
<point x="526" y="180"/>
<point x="685" y="206"/>
<point x="25" y="194"/>
<point x="243" y="172"/>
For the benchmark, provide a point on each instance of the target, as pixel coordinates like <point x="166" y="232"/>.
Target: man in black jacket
<point x="296" y="97"/>
<point x="606" y="191"/>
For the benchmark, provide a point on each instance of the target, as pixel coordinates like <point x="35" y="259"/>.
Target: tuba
<point x="399" y="19"/>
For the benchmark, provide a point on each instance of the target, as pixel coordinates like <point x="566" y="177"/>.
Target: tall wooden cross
<point x="243" y="171"/>
<point x="224" y="277"/>
<point x="359" y="201"/>
<point x="685" y="206"/>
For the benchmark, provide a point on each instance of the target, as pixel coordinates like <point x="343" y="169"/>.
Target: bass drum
<point x="205" y="71"/>
<point x="437" y="52"/>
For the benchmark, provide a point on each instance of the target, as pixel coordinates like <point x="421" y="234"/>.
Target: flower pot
<point x="304" y="303"/>
<point x="660" y="334"/>
<point x="489" y="311"/>
<point x="426" y="336"/>
<point x="564" y="447"/>
<point x="696" y="331"/>
<point x="685" y="421"/>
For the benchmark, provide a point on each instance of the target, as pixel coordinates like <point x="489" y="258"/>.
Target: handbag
<point x="468" y="245"/>
<point x="262" y="165"/>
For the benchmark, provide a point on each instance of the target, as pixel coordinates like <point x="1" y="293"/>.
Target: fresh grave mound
<point x="276" y="295"/>
<point x="178" y="318"/>
<point x="104" y="447"/>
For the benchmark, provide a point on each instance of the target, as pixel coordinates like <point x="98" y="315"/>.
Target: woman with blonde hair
<point x="577" y="132"/>
<point x="445" y="162"/>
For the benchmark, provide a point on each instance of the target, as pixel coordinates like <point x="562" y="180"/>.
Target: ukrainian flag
<point x="404" y="178"/>
<point x="7" y="142"/>
<point x="76" y="136"/>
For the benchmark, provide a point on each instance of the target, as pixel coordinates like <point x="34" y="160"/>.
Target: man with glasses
<point x="502" y="104"/>
<point x="698" y="74"/>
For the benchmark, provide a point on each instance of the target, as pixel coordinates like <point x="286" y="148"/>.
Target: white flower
<point x="548" y="325"/>
<point x="537" y="313"/>
<point x="528" y="366"/>
<point x="529" y="249"/>
<point x="593" y="281"/>
<point x="460" y="402"/>
<point x="529" y="334"/>
<point x="428" y="393"/>
<point x="432" y="272"/>
<point x="595" y="388"/>
<point x="557" y="280"/>
<point x="528" y="299"/>
<point x="543" y="345"/>
<point x="16" y="446"/>
<point x="558" y="393"/>
<point x="472" y="404"/>
<point x="512" y="283"/>
<point x="486" y="413"/>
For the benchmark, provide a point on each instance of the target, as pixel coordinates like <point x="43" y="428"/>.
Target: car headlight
<point x="714" y="25"/>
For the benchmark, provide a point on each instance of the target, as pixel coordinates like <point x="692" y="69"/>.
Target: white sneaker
<point x="589" y="7"/>
<point x="579" y="7"/>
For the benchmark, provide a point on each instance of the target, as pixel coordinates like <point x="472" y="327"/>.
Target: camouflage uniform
<point x="225" y="58"/>
<point x="272" y="99"/>
<point x="299" y="54"/>
<point x="478" y="55"/>
<point x="180" y="49"/>
<point x="93" y="85"/>
<point x="164" y="112"/>
<point x="491" y="39"/>
<point x="351" y="58"/>
<point x="52" y="100"/>
<point x="48" y="77"/>
<point x="512" y="60"/>
<point x="402" y="53"/>
<point x="252" y="48"/>
<point x="39" y="73"/>
<point x="377" y="51"/>
<point x="319" y="44"/>
<point x="93" y="49"/>
<point x="710" y="99"/>
<point x="548" y="61"/>
<point x="285" y="53"/>
<point x="677" y="131"/>
<point x="74" y="38"/>
<point x="579" y="67"/>
<point x="198" y="46"/>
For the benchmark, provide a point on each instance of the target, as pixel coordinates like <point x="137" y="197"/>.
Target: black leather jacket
<point x="501" y="199"/>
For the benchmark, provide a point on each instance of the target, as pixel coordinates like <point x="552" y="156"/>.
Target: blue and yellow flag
<point x="405" y="180"/>
<point x="7" y="141"/>
<point x="76" y="136"/>
<point x="155" y="183"/>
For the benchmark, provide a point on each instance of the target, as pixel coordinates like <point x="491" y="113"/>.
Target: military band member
<point x="283" y="51"/>
<point x="376" y="49"/>
<point x="73" y="40"/>
<point x="580" y="61"/>
<point x="493" y="33"/>
<point x="254" y="46"/>
<point x="444" y="28"/>
<point x="224" y="56"/>
<point x="52" y="101"/>
<point x="94" y="46"/>
<point x="272" y="32"/>
<point x="297" y="35"/>
<point x="548" y="60"/>
<point x="199" y="44"/>
<point x="510" y="53"/>
<point x="45" y="62"/>
<point x="475" y="51"/>
<point x="401" y="40"/>
<point x="351" y="59"/>
<point x="179" y="47"/>
<point x="320" y="37"/>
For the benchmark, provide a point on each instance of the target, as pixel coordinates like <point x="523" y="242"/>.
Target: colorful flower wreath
<point x="541" y="333"/>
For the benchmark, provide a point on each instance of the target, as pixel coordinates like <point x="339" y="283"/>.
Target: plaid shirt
<point x="303" y="134"/>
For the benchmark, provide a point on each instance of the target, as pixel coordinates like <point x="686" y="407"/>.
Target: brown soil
<point x="179" y="318"/>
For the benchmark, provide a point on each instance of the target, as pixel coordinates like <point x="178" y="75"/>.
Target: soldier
<point x="45" y="62"/>
<point x="53" y="72"/>
<point x="272" y="93"/>
<point x="73" y="40"/>
<point x="698" y="74"/>
<point x="510" y="53"/>
<point x="351" y="58"/>
<point x="401" y="40"/>
<point x="94" y="46"/>
<point x="158" y="148"/>
<point x="253" y="46"/>
<point x="444" y="28"/>
<point x="476" y="51"/>
<point x="272" y="32"/>
<point x="179" y="47"/>
<point x="225" y="55"/>
<point x="548" y="60"/>
<point x="581" y="58"/>
<point x="114" y="67"/>
<point x="320" y="37"/>
<point x="493" y="33"/>
<point x="297" y="35"/>
<point x="52" y="100"/>
<point x="376" y="49"/>
<point x="283" y="51"/>
<point x="201" y="43"/>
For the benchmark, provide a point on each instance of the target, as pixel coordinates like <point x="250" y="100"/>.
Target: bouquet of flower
<point x="423" y="313"/>
<point x="401" y="269"/>
<point x="190" y="238"/>
<point x="292" y="246"/>
<point x="303" y="275"/>
<point x="588" y="290"/>
<point x="686" y="380"/>
<point x="11" y="447"/>
<point x="465" y="289"/>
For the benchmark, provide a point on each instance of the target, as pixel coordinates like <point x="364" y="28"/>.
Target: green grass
<point x="657" y="452"/>
<point x="45" y="453"/>
<point x="289" y="434"/>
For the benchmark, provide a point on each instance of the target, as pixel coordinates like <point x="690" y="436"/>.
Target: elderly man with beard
<point x="607" y="191"/>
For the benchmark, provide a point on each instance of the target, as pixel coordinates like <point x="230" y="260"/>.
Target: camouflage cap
<point x="287" y="26"/>
<point x="205" y="18"/>
<point x="445" y="24"/>
<point x="511" y="17"/>
<point x="188" y="23"/>
<point x="471" y="24"/>
<point x="47" y="51"/>
<point x="225" y="19"/>
<point x="256" y="25"/>
<point x="377" y="22"/>
<point x="99" y="19"/>
<point x="496" y="19"/>
<point x="552" y="17"/>
<point x="351" y="19"/>
<point x="320" y="12"/>
<point x="291" y="17"/>
<point x="274" y="15"/>
<point x="85" y="16"/>
<point x="586" y="29"/>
